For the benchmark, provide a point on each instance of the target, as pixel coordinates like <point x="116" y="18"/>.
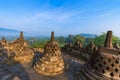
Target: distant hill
<point x="12" y="33"/>
<point x="8" y="32"/>
<point x="88" y="35"/>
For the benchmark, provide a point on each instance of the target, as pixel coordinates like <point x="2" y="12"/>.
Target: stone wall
<point x="107" y="65"/>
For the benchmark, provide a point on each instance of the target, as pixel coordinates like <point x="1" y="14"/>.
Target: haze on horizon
<point x="62" y="16"/>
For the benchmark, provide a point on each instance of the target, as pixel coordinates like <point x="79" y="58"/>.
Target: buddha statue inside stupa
<point x="51" y="63"/>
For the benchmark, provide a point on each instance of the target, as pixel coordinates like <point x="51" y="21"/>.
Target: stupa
<point x="1" y="49"/>
<point x="90" y="47"/>
<point x="51" y="63"/>
<point x="20" y="50"/>
<point x="21" y="40"/>
<point x="77" y="45"/>
<point x="3" y="41"/>
<point x="3" y="45"/>
<point x="104" y="63"/>
<point x="116" y="46"/>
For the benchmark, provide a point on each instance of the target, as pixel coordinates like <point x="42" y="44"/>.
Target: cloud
<point x="42" y="21"/>
<point x="63" y="20"/>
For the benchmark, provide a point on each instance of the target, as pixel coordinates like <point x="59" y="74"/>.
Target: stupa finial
<point x="108" y="41"/>
<point x="52" y="36"/>
<point x="21" y="35"/>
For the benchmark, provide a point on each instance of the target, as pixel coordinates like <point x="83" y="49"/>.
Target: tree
<point x="61" y="39"/>
<point x="99" y="40"/>
<point x="70" y="38"/>
<point x="79" y="38"/>
<point x="87" y="41"/>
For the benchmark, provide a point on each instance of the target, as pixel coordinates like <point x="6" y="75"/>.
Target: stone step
<point x="93" y="74"/>
<point x="2" y="69"/>
<point x="106" y="78"/>
<point x="96" y="74"/>
<point x="81" y="76"/>
<point x="77" y="76"/>
<point x="87" y="75"/>
<point x="7" y="76"/>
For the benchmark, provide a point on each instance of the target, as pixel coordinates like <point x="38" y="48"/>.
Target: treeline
<point x="98" y="40"/>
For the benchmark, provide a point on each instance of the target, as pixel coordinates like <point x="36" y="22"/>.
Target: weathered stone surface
<point x="116" y="46"/>
<point x="108" y="41"/>
<point x="104" y="63"/>
<point x="51" y="62"/>
<point x="19" y="50"/>
<point x="4" y="41"/>
<point x="77" y="45"/>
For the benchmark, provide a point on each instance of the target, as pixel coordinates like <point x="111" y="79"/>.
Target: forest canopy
<point x="98" y="40"/>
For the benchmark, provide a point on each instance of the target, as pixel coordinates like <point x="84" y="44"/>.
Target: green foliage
<point x="87" y="41"/>
<point x="79" y="38"/>
<point x="72" y="39"/>
<point x="98" y="40"/>
<point x="39" y="43"/>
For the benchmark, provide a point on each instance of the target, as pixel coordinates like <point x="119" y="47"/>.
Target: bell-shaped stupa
<point x="51" y="63"/>
<point x="104" y="63"/>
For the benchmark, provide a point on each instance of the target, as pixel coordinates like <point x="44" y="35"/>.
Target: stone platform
<point x="26" y="72"/>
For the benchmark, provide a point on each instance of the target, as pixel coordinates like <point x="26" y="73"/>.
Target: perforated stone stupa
<point x="104" y="63"/>
<point x="20" y="50"/>
<point x="77" y="45"/>
<point x="4" y="41"/>
<point x="51" y="63"/>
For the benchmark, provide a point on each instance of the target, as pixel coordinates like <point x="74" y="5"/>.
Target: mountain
<point x="88" y="35"/>
<point x="8" y="32"/>
<point x="13" y="34"/>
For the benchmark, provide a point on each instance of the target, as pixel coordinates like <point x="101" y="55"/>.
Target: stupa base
<point x="23" y="59"/>
<point x="87" y="73"/>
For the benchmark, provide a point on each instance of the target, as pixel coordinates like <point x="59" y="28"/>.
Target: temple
<point x="51" y="63"/>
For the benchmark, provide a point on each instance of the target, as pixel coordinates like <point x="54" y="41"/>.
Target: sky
<point x="61" y="16"/>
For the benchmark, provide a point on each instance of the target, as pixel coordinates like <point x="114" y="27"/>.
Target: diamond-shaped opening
<point x="116" y="61"/>
<point x="97" y="60"/>
<point x="95" y="55"/>
<point x="119" y="52"/>
<point x="116" y="70"/>
<point x="104" y="62"/>
<point x="96" y="68"/>
<point x="103" y="71"/>
<point x="101" y="57"/>
<point x="111" y="74"/>
<point x="107" y="68"/>
<point x="112" y="65"/>
<point x="100" y="65"/>
<point x="109" y="60"/>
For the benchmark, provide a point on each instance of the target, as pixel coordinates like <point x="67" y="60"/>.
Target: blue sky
<point x="62" y="16"/>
